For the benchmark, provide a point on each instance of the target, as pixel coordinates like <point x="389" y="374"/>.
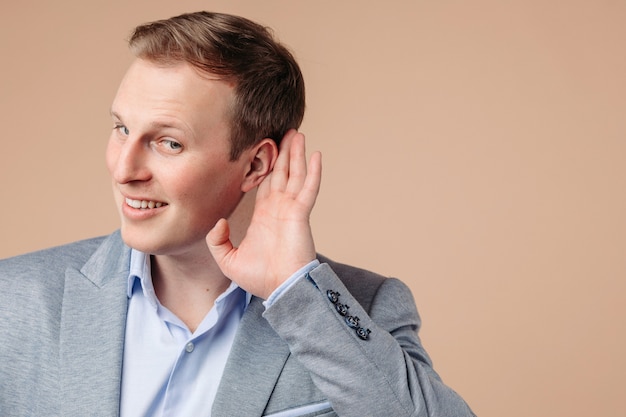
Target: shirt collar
<point x="140" y="270"/>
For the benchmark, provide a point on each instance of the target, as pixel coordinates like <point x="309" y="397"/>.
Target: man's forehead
<point x="153" y="96"/>
<point x="175" y="80"/>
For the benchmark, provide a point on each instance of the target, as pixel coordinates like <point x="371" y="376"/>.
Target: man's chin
<point x="140" y="243"/>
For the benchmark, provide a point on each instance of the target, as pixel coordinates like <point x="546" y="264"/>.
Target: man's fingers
<point x="280" y="174"/>
<point x="297" y="165"/>
<point x="311" y="186"/>
<point x="291" y="176"/>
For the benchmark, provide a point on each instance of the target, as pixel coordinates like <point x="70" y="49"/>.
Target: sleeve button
<point x="342" y="308"/>
<point x="363" y="333"/>
<point x="352" y="321"/>
<point x="333" y="296"/>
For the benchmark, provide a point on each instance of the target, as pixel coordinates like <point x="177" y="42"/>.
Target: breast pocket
<point x="323" y="409"/>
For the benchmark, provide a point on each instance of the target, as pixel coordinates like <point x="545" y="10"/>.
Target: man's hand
<point x="279" y="239"/>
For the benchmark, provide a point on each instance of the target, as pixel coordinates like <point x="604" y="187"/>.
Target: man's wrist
<point x="282" y="288"/>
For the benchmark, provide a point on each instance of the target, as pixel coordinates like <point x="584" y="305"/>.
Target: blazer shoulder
<point x="52" y="261"/>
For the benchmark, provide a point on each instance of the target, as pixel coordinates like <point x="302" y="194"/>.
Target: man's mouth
<point x="144" y="204"/>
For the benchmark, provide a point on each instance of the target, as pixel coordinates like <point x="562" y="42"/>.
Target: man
<point x="211" y="299"/>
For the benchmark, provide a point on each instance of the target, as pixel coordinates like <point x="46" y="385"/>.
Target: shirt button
<point x="189" y="347"/>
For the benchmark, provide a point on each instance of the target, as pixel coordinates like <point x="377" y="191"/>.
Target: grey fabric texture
<point x="62" y="323"/>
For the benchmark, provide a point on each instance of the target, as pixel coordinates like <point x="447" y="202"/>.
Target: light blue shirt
<point x="167" y="369"/>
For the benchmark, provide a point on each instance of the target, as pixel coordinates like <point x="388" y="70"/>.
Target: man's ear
<point x="261" y="157"/>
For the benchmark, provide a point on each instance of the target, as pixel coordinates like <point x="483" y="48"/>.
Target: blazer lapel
<point x="92" y="332"/>
<point x="253" y="367"/>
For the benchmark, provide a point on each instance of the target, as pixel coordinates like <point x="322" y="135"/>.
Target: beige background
<point x="474" y="149"/>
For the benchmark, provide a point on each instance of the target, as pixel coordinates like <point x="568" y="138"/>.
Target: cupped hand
<point x="279" y="240"/>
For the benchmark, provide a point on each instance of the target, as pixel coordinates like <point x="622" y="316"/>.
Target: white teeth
<point x="143" y="204"/>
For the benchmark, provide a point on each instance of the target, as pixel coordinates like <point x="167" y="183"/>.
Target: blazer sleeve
<point x="368" y="363"/>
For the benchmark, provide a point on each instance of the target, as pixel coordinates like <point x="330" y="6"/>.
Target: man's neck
<point x="188" y="285"/>
<point x="187" y="288"/>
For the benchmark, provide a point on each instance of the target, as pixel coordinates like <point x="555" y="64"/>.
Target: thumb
<point x="218" y="240"/>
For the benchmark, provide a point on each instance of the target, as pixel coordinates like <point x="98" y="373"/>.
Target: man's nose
<point x="132" y="163"/>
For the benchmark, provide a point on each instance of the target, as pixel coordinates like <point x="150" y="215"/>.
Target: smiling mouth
<point x="144" y="204"/>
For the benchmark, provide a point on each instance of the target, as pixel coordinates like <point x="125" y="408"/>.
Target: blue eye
<point x="122" y="129"/>
<point x="173" y="145"/>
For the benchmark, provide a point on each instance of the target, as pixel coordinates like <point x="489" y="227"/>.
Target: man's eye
<point x="122" y="129"/>
<point x="175" y="146"/>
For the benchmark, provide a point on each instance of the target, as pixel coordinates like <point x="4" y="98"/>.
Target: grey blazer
<point x="62" y="323"/>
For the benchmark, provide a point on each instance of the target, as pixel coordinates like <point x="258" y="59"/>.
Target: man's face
<point x="168" y="157"/>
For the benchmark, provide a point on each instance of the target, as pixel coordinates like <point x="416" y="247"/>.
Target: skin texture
<point x="170" y="145"/>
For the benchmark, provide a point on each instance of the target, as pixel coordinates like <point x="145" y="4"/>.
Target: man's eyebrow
<point x="156" y="124"/>
<point x="114" y="114"/>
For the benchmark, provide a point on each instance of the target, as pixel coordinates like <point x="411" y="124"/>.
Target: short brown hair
<point x="269" y="88"/>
